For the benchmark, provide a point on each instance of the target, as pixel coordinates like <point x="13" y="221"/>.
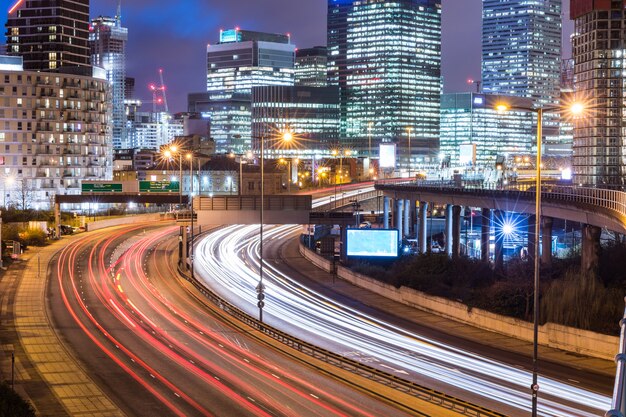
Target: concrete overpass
<point x="593" y="207"/>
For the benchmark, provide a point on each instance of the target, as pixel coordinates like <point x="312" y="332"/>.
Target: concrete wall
<point x="552" y="335"/>
<point x="101" y="224"/>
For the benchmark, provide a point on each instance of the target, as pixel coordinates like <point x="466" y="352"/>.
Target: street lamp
<point x="287" y="137"/>
<point x="575" y="109"/>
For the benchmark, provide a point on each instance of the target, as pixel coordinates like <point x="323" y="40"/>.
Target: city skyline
<point x="185" y="27"/>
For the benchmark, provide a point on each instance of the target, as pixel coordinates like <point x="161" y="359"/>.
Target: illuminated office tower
<point x="244" y="59"/>
<point x="521" y="49"/>
<point x="108" y="40"/>
<point x="599" y="54"/>
<point x="385" y="57"/>
<point x="50" y="35"/>
<point x="312" y="67"/>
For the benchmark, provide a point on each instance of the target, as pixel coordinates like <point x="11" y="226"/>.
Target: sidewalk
<point x="46" y="373"/>
<point x="291" y="256"/>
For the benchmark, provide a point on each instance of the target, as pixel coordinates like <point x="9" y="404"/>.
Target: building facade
<point x="521" y="49"/>
<point x="240" y="61"/>
<point x="311" y="114"/>
<point x="50" y="35"/>
<point x="311" y="68"/>
<point x="108" y="40"/>
<point x="385" y="57"/>
<point x="148" y="130"/>
<point x="243" y="59"/>
<point x="475" y="134"/>
<point x="600" y="136"/>
<point x="55" y="133"/>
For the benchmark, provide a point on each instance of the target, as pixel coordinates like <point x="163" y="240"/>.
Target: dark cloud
<point x="173" y="35"/>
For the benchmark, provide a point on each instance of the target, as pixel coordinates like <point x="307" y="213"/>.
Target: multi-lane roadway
<point x="158" y="350"/>
<point x="228" y="263"/>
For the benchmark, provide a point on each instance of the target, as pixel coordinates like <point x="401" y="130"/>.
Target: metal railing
<point x="410" y="388"/>
<point x="611" y="200"/>
<point x="618" y="405"/>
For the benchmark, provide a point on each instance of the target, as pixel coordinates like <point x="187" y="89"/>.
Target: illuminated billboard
<point x="467" y="154"/>
<point x="381" y="243"/>
<point x="387" y="154"/>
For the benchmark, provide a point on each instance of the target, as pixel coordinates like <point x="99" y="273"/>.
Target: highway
<point x="157" y="349"/>
<point x="228" y="262"/>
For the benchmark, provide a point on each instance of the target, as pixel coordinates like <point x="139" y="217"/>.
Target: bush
<point x="581" y="300"/>
<point x="33" y="237"/>
<point x="12" y="405"/>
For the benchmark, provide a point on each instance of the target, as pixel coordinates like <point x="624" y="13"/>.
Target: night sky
<point x="173" y="35"/>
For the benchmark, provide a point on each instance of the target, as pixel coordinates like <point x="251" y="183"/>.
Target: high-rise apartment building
<point x="521" y="49"/>
<point x="385" y="57"/>
<point x="50" y="35"/>
<point x="600" y="136"/>
<point x="55" y="133"/>
<point x="312" y="67"/>
<point x="108" y="40"/>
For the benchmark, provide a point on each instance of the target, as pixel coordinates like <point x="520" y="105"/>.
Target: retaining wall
<point x="553" y="335"/>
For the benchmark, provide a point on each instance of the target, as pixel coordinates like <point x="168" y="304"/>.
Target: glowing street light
<point x="575" y="109"/>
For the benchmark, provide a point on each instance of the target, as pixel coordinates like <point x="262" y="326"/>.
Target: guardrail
<point x="425" y="394"/>
<point x="612" y="200"/>
<point x="618" y="405"/>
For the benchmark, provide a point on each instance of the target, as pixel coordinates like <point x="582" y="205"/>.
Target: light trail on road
<point x="229" y="264"/>
<point x="121" y="291"/>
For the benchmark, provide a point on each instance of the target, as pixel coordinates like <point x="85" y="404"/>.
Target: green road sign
<point x="159" y="186"/>
<point x="104" y="187"/>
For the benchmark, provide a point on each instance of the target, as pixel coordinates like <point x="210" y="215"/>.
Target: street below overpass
<point x="159" y="349"/>
<point x="227" y="261"/>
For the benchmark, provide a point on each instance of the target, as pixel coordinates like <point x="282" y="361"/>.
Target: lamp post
<point x="574" y="108"/>
<point x="169" y="153"/>
<point x="260" y="288"/>
<point x="189" y="157"/>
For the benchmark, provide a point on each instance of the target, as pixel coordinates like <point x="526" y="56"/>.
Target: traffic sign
<point x="101" y="187"/>
<point x="159" y="186"/>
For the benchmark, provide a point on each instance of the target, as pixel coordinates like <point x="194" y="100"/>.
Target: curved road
<point x="157" y="350"/>
<point x="228" y="262"/>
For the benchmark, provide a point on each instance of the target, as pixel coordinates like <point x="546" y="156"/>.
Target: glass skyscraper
<point x="241" y="60"/>
<point x="471" y="121"/>
<point x="108" y="40"/>
<point x="521" y="49"/>
<point x="599" y="73"/>
<point x="385" y="57"/>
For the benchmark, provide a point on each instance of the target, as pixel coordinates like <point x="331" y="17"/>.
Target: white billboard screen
<point x="387" y="154"/>
<point x="372" y="242"/>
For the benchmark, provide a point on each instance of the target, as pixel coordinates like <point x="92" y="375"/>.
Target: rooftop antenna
<point x="118" y="16"/>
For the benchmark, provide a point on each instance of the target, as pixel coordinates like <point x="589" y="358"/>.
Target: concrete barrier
<point x="552" y="335"/>
<point x="101" y="224"/>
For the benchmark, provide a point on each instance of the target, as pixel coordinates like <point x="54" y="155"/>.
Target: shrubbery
<point x="12" y="405"/>
<point x="592" y="301"/>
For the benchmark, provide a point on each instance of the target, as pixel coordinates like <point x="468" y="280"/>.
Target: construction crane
<point x="158" y="94"/>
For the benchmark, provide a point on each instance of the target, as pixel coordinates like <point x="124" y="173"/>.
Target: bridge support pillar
<point x="456" y="231"/>
<point x="449" y="229"/>
<point x="407" y="217"/>
<point x="499" y="235"/>
<point x="546" y="240"/>
<point x="385" y="212"/>
<point x="590" y="247"/>
<point x="399" y="217"/>
<point x="531" y="236"/>
<point x="485" y="231"/>
<point x="422" y="236"/>
<point x="57" y="219"/>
